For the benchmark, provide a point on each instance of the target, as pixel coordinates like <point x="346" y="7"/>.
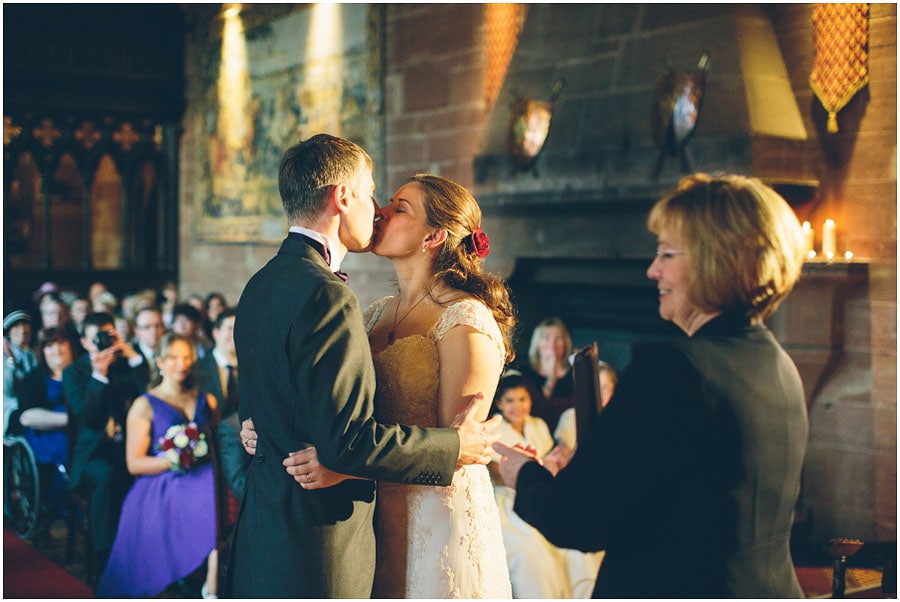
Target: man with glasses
<point x="148" y="331"/>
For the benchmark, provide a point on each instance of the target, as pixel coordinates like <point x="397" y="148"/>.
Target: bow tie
<point x="321" y="249"/>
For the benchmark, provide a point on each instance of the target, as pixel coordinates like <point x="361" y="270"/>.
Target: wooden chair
<point x="586" y="393"/>
<point x="78" y="504"/>
<point x="226" y="505"/>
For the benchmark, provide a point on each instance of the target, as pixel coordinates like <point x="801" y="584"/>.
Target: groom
<point x="307" y="379"/>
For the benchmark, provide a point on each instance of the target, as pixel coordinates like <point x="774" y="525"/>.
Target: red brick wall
<point x="858" y="188"/>
<point x="434" y="109"/>
<point x="436" y="118"/>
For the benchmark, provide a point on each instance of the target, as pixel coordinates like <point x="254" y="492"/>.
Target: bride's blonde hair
<point x="458" y="266"/>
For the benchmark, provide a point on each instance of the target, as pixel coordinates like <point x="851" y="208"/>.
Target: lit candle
<point x="848" y="255"/>
<point x="828" y="244"/>
<point x="809" y="236"/>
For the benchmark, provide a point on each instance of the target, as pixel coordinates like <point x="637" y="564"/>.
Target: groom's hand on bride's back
<point x="475" y="437"/>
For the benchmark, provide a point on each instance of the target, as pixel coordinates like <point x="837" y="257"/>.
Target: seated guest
<point x="44" y="418"/>
<point x="19" y="360"/>
<point x="99" y="387"/>
<point x="537" y="568"/>
<point x="217" y="372"/>
<point x="167" y="300"/>
<point x="95" y="291"/>
<point x="188" y="322"/>
<point x="215" y="304"/>
<point x="149" y="330"/>
<point x="105" y="302"/>
<point x="54" y="311"/>
<point x="78" y="311"/>
<point x="693" y="468"/>
<point x="124" y="326"/>
<point x="548" y="370"/>
<point x="167" y="528"/>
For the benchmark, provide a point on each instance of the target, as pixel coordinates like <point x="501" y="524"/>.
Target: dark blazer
<point x="206" y="375"/>
<point x="307" y="379"/>
<point x="31" y="392"/>
<point x="146" y="370"/>
<point x="235" y="461"/>
<point x="92" y="403"/>
<point x="690" y="475"/>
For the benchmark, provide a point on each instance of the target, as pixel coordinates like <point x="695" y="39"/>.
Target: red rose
<point x="167" y="444"/>
<point x="192" y="433"/>
<point x="185" y="459"/>
<point x="479" y="243"/>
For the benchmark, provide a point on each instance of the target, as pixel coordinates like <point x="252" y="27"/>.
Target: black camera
<point x="103" y="340"/>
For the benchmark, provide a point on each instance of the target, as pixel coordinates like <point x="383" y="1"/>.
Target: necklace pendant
<point x="390" y="337"/>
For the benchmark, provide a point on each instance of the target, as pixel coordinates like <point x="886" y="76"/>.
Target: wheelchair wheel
<point x="21" y="487"/>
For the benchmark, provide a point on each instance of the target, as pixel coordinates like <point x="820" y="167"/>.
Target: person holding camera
<point x="99" y="387"/>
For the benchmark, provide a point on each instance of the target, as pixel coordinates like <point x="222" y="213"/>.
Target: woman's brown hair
<point x="452" y="208"/>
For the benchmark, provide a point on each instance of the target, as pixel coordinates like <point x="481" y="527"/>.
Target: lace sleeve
<point x="374" y="312"/>
<point x="472" y="313"/>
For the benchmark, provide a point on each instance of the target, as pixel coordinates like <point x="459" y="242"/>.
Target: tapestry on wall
<point x="268" y="84"/>
<point x="841" y="66"/>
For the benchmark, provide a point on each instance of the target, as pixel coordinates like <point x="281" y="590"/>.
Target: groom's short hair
<point x="310" y="167"/>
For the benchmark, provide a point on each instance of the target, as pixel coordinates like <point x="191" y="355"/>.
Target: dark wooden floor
<point x="50" y="540"/>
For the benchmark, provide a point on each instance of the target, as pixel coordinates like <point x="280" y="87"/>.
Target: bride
<point x="442" y="339"/>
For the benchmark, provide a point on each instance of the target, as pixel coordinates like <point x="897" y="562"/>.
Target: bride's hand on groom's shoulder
<point x="475" y="436"/>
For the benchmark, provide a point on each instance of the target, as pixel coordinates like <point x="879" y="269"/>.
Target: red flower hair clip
<point x="477" y="242"/>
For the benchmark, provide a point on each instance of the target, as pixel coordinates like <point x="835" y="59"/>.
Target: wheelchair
<point x="21" y="487"/>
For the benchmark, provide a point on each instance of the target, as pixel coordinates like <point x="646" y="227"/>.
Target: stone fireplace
<point x="570" y="232"/>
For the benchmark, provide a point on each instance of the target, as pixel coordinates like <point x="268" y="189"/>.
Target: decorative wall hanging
<point x="841" y="63"/>
<point x="267" y="87"/>
<point x="87" y="194"/>
<point x="529" y="124"/>
<point x="676" y="109"/>
<point x="502" y="24"/>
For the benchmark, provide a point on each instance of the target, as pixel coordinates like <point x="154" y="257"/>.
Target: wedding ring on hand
<point x="308" y="478"/>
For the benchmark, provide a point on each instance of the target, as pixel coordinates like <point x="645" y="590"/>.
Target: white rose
<point x="181" y="440"/>
<point x="173" y="456"/>
<point x="201" y="449"/>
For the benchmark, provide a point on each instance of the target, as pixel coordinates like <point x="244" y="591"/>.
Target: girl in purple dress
<point x="167" y="526"/>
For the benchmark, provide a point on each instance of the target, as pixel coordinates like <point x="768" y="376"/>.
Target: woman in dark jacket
<point x="691" y="473"/>
<point x="44" y="418"/>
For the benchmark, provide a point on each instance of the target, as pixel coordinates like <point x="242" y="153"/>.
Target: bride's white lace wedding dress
<point x="434" y="542"/>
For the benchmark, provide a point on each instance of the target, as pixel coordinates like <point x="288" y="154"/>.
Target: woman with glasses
<point x="691" y="473"/>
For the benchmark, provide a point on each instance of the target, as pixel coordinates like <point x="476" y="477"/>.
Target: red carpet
<point x="28" y="574"/>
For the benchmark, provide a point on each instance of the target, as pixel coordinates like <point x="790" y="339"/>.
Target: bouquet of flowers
<point x="184" y="446"/>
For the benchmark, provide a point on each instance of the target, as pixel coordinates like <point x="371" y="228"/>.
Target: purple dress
<point x="167" y="527"/>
